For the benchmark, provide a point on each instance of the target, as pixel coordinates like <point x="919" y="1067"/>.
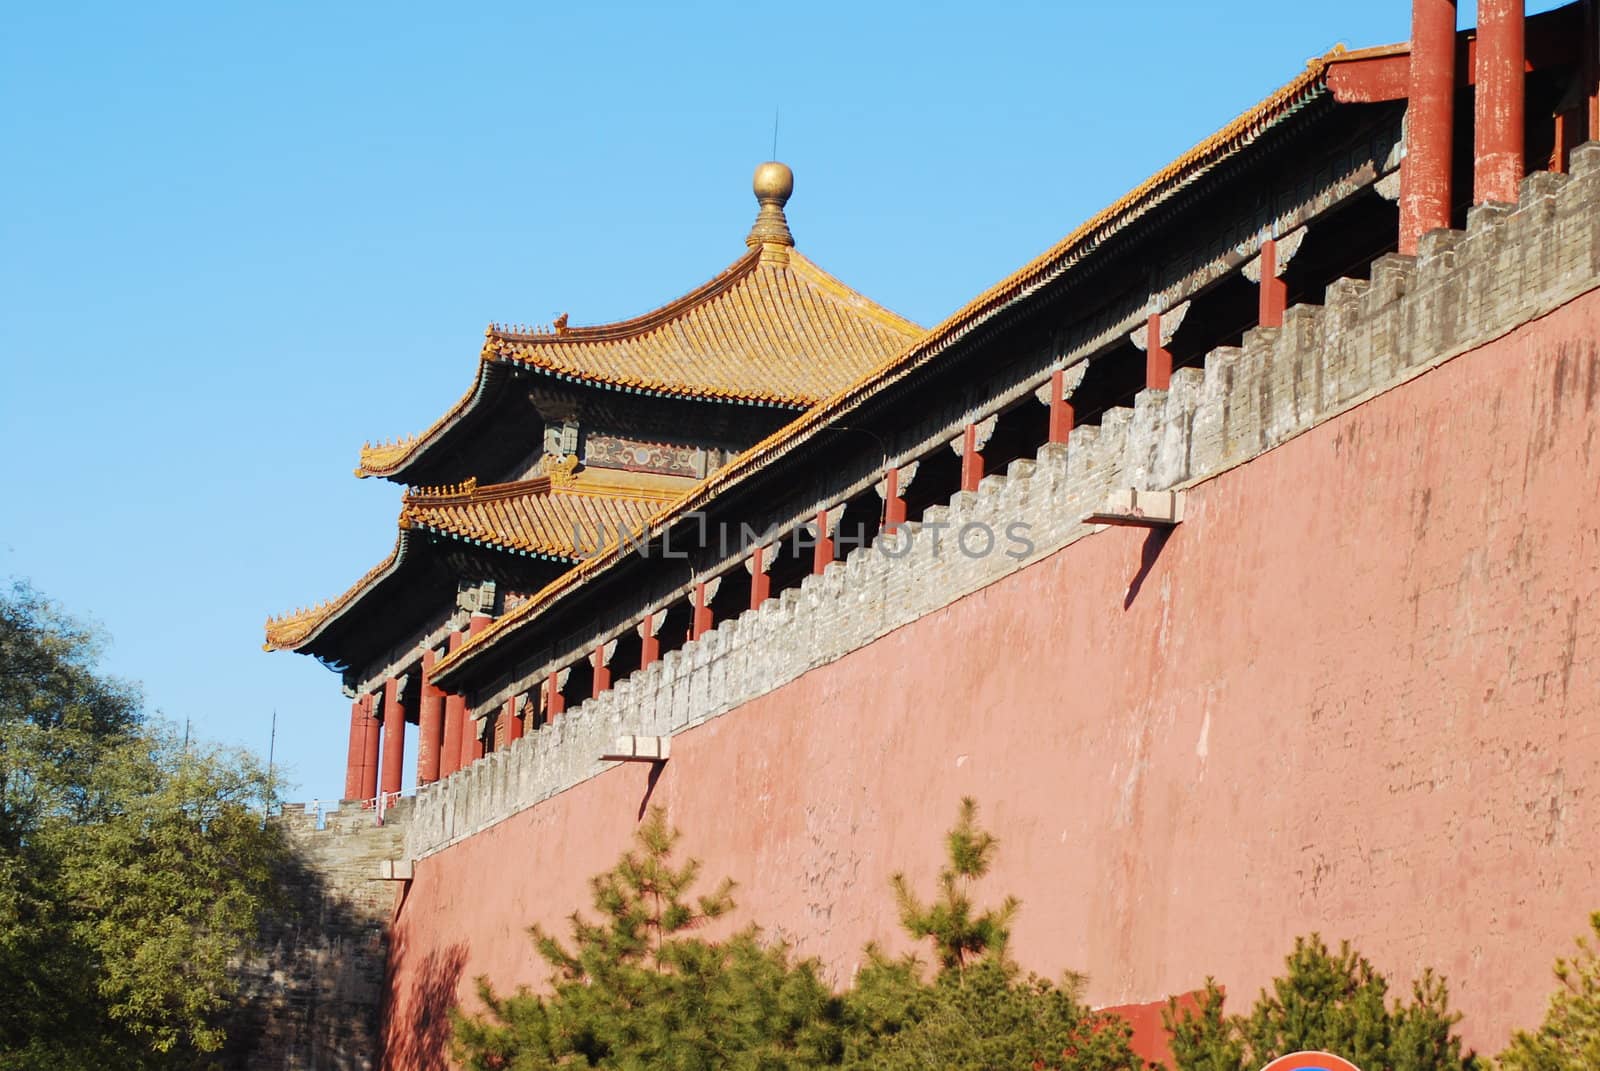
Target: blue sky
<point x="240" y="240"/>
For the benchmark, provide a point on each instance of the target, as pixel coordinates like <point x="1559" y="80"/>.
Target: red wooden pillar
<point x="394" y="737"/>
<point x="430" y="723"/>
<point x="602" y="666"/>
<point x="1430" y="120"/>
<point x="556" y="703"/>
<point x="892" y="488"/>
<point x="1274" y="291"/>
<point x="370" y="743"/>
<point x="455" y="711"/>
<point x="649" y="645"/>
<point x="471" y="742"/>
<point x="971" y="459"/>
<point x="1061" y="415"/>
<point x="369" y="750"/>
<point x="358" y="746"/>
<point x="1568" y="125"/>
<point x="760" y="581"/>
<point x="894" y="501"/>
<point x="472" y="748"/>
<point x="1591" y="67"/>
<point x="822" y="552"/>
<point x="1498" y="105"/>
<point x="1157" y="360"/>
<point x="513" y="721"/>
<point x="700" y="623"/>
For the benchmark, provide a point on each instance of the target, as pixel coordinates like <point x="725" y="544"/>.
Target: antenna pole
<point x="774" y="132"/>
<point x="272" y="747"/>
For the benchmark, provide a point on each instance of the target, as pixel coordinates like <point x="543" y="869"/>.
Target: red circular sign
<point x="1310" y="1061"/>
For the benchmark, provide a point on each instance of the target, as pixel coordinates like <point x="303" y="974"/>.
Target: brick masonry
<point x="314" y="990"/>
<point x="1464" y="289"/>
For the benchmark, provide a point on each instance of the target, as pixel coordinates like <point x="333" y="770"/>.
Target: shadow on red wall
<point x="422" y="1040"/>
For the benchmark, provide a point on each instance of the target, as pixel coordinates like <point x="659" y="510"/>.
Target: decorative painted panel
<point x="635" y="455"/>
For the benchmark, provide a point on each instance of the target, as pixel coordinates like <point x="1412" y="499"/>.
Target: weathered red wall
<point x="1355" y="692"/>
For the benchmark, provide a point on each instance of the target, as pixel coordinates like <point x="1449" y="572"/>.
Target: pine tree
<point x="1569" y="1038"/>
<point x="1333" y="1002"/>
<point x="1206" y="1040"/>
<point x="979" y="1011"/>
<point x="959" y="937"/>
<point x="639" y="989"/>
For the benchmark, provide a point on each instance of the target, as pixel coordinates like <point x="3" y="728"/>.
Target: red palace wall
<point x="1354" y="692"/>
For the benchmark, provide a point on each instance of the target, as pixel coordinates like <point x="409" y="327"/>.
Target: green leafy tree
<point x="979" y="1011"/>
<point x="1569" y="1038"/>
<point x="133" y="871"/>
<point x="1333" y="1002"/>
<point x="639" y="988"/>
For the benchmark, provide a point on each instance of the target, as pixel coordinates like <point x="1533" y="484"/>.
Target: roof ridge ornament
<point x="773" y="184"/>
<point x="560" y="468"/>
<point x="446" y="490"/>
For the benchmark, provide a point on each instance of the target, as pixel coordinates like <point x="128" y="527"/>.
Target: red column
<point x="760" y="582"/>
<point x="394" y="737"/>
<point x="513" y="722"/>
<point x="971" y="459"/>
<point x="1590" y="66"/>
<point x="477" y="623"/>
<point x="471" y="745"/>
<point x="369" y="750"/>
<point x="1568" y="125"/>
<point x="1498" y="107"/>
<point x="430" y="723"/>
<point x="455" y="711"/>
<point x="1430" y="118"/>
<point x="1274" y="291"/>
<point x="1061" y="415"/>
<point x="700" y="623"/>
<point x="602" y="671"/>
<point x="894" y="503"/>
<point x="1157" y="361"/>
<point x="357" y="752"/>
<point x="557" y="703"/>
<point x="649" y="645"/>
<point x="822" y="553"/>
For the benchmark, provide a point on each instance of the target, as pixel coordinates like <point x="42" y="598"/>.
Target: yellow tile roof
<point x="380" y="457"/>
<point x="533" y="516"/>
<point x="287" y="631"/>
<point x="1032" y="276"/>
<point x="557" y="518"/>
<point x="760" y="331"/>
<point x="771" y="329"/>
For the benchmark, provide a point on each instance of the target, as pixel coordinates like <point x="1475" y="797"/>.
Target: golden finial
<point x="774" y="182"/>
